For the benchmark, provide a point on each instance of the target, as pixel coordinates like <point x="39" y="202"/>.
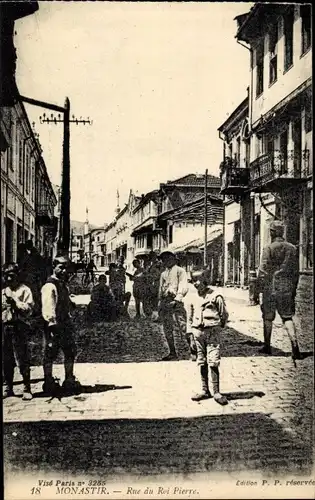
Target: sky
<point x="156" y="79"/>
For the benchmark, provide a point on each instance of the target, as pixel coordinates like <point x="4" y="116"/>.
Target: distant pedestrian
<point x="138" y="289"/>
<point x="207" y="316"/>
<point x="172" y="290"/>
<point x="58" y="329"/>
<point x="89" y="271"/>
<point x="117" y="283"/>
<point x="17" y="305"/>
<point x="278" y="277"/>
<point x="153" y="275"/>
<point x="102" y="306"/>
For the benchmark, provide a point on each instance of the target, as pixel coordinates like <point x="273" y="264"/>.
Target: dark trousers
<point x="56" y="338"/>
<point x="173" y="318"/>
<point x="15" y="346"/>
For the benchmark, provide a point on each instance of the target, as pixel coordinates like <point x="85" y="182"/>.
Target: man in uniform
<point x="278" y="277"/>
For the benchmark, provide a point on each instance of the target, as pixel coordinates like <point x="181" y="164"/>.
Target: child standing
<point x="58" y="329"/>
<point x="17" y="305"/>
<point x="208" y="315"/>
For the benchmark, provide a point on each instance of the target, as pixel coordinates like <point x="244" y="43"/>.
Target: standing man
<point x="58" y="329"/>
<point x="173" y="288"/>
<point x="278" y="277"/>
<point x="122" y="297"/>
<point x="17" y="305"/>
<point x="90" y="270"/>
<point x="153" y="275"/>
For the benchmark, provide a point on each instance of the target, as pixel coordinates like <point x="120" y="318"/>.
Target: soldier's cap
<point x="166" y="254"/>
<point x="277" y="227"/>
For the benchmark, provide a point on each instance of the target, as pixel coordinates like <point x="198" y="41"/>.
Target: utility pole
<point x="64" y="235"/>
<point x="205" y="221"/>
<point x="71" y="244"/>
<point x="63" y="117"/>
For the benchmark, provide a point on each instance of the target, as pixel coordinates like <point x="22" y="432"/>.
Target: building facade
<point x="28" y="200"/>
<point x="145" y="231"/>
<point x="280" y="130"/>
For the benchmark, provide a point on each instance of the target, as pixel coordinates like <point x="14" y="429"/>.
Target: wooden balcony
<point x="272" y="172"/>
<point x="234" y="179"/>
<point x="44" y="215"/>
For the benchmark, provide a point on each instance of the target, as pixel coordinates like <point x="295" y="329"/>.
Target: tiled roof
<point x="195" y="180"/>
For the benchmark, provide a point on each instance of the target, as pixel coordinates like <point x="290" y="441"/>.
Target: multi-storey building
<point x="145" y="230"/>
<point x="110" y="242"/>
<point x="76" y="242"/>
<point x="234" y="186"/>
<point x="125" y="221"/>
<point x="280" y="128"/>
<point x="27" y="196"/>
<point x="186" y="191"/>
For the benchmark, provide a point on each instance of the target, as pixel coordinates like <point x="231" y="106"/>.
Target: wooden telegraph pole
<point x="205" y="221"/>
<point x="63" y="117"/>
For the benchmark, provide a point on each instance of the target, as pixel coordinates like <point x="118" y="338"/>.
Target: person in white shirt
<point x="207" y="316"/>
<point x="17" y="304"/>
<point x="58" y="329"/>
<point x="172" y="290"/>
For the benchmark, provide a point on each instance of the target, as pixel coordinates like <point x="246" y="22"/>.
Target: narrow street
<point x="135" y="416"/>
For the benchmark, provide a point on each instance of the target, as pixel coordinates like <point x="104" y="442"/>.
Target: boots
<point x="7" y="391"/>
<point x="71" y="386"/>
<point x="215" y="377"/>
<point x="205" y="393"/>
<point x="27" y="394"/>
<point x="51" y="387"/>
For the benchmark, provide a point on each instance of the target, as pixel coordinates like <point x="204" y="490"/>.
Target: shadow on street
<point x="139" y="341"/>
<point x="225" y="443"/>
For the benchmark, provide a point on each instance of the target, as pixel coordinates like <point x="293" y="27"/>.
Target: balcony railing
<point x="44" y="215"/>
<point x="234" y="179"/>
<point x="279" y="169"/>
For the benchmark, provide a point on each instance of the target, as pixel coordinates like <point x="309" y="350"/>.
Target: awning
<point x="197" y="245"/>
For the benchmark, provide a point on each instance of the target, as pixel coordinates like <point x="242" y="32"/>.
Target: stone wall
<point x="305" y="303"/>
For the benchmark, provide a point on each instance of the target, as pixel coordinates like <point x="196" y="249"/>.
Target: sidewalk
<point x="131" y="401"/>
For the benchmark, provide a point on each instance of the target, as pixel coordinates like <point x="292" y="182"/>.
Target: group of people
<point x="18" y="305"/>
<point x="199" y="320"/>
<point x="110" y="301"/>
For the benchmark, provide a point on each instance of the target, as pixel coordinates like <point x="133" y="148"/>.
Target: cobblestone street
<point x="135" y="415"/>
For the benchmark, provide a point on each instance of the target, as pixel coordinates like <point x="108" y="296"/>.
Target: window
<point x="305" y="12"/>
<point x="308" y="120"/>
<point x="288" y="39"/>
<point x="33" y="181"/>
<point x="260" y="68"/>
<point x="238" y="151"/>
<point x="284" y="151"/>
<point x="21" y="162"/>
<point x="273" y="62"/>
<point x="27" y="172"/>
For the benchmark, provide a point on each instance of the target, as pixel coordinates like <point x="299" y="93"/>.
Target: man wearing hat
<point x="17" y="306"/>
<point x="278" y="277"/>
<point x="172" y="290"/>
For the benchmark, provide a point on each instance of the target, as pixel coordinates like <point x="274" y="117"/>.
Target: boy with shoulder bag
<point x="208" y="315"/>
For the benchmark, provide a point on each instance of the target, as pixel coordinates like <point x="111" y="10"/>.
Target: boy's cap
<point x="277" y="227"/>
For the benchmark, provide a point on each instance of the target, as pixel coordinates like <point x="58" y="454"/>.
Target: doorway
<point x="8" y="240"/>
<point x="297" y="140"/>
